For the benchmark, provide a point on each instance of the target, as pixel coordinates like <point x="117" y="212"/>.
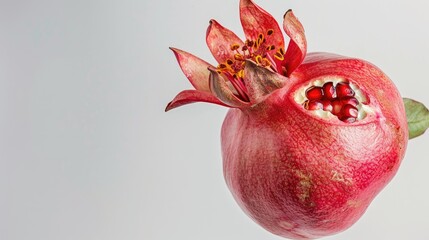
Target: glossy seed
<point x="343" y="90"/>
<point x="337" y="105"/>
<point x="329" y="90"/>
<point x="327" y="105"/>
<point x="349" y="111"/>
<point x="313" y="105"/>
<point x="314" y="93"/>
<point x="347" y="119"/>
<point x="350" y="100"/>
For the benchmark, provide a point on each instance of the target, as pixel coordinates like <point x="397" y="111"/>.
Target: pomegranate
<point x="310" y="139"/>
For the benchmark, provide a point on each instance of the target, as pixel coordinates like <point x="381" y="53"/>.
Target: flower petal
<point x="219" y="40"/>
<point x="221" y="90"/>
<point x="194" y="68"/>
<point x="297" y="48"/>
<point x="256" y="20"/>
<point x="191" y="96"/>
<point x="260" y="82"/>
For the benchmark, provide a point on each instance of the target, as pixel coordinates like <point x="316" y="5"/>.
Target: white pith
<point x="363" y="109"/>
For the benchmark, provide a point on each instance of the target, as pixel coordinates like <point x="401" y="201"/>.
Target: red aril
<point x="313" y="105"/>
<point x="314" y="93"/>
<point x="350" y="100"/>
<point x="344" y="90"/>
<point x="329" y="90"/>
<point x="348" y="113"/>
<point x="327" y="105"/>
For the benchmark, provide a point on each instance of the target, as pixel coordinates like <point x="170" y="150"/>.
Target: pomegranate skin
<point x="301" y="176"/>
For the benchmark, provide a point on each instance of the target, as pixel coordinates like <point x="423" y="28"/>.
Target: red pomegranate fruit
<point x="310" y="139"/>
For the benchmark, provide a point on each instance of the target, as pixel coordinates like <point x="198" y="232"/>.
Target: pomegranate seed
<point x="313" y="105"/>
<point x="344" y="90"/>
<point x="349" y="111"/>
<point x="350" y="100"/>
<point x="327" y="106"/>
<point x="314" y="93"/>
<point x="337" y="105"/>
<point x="347" y="119"/>
<point x="329" y="90"/>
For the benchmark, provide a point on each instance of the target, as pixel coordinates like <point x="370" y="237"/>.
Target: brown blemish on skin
<point x="339" y="177"/>
<point x="303" y="186"/>
<point x="354" y="203"/>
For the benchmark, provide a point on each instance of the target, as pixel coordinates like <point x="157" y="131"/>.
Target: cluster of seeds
<point x="339" y="100"/>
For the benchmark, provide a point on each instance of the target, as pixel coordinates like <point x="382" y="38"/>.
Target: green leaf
<point x="417" y="117"/>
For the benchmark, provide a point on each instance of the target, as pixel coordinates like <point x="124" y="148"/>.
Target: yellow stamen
<point x="221" y="66"/>
<point x="229" y="62"/>
<point x="270" y="31"/>
<point x="240" y="74"/>
<point x="239" y="57"/>
<point x="266" y="62"/>
<point x="258" y="59"/>
<point x="259" y="41"/>
<point x="279" y="56"/>
<point x="272" y="47"/>
<point x="235" y="47"/>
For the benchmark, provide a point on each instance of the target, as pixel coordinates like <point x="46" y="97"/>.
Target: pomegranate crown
<point x="247" y="71"/>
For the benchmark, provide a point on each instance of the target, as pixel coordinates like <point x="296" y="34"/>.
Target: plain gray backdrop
<point x="87" y="152"/>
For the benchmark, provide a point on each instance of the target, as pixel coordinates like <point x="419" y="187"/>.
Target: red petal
<point x="191" y="96"/>
<point x="256" y="20"/>
<point x="194" y="68"/>
<point x="297" y="48"/>
<point x="260" y="82"/>
<point x="221" y="90"/>
<point x="219" y="41"/>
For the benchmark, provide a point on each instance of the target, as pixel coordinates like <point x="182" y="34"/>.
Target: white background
<point x="87" y="152"/>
